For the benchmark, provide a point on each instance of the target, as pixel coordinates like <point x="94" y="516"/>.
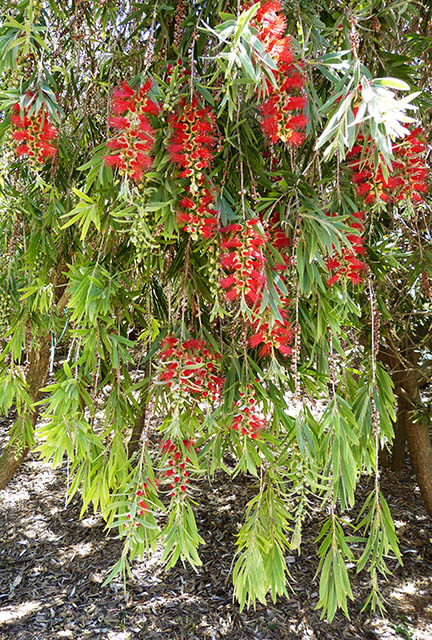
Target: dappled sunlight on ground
<point x="52" y="566"/>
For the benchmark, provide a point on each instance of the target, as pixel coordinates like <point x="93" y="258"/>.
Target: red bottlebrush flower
<point x="185" y="146"/>
<point x="355" y="277"/>
<point x="332" y="263"/>
<point x="245" y="260"/>
<point x="21" y="134"/>
<point x="191" y="150"/>
<point x="275" y="111"/>
<point x="35" y="131"/>
<point x="248" y="422"/>
<point x="119" y="122"/>
<point x="348" y="263"/>
<point x="255" y="340"/>
<point x="225" y="283"/>
<point x="190" y="374"/>
<point x="284" y="350"/>
<point x="400" y="183"/>
<point x="295" y="138"/>
<point x="167" y="375"/>
<point x="23" y="149"/>
<point x="135" y="140"/>
<point x="333" y="279"/>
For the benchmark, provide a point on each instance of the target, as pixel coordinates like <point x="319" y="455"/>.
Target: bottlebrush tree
<point x="215" y="257"/>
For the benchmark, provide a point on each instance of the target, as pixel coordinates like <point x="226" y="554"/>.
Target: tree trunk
<point x="420" y="449"/>
<point x="136" y="433"/>
<point x="399" y="444"/>
<point x="15" y="452"/>
<point x="407" y="390"/>
<point x="418" y="438"/>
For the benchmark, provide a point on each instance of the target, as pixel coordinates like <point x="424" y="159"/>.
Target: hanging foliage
<point x="215" y="239"/>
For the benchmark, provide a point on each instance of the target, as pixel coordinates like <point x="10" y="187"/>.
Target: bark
<point x="420" y="449"/>
<point x="140" y="423"/>
<point x="399" y="444"/>
<point x="406" y="380"/>
<point x="418" y="438"/>
<point x="135" y="438"/>
<point x="16" y="451"/>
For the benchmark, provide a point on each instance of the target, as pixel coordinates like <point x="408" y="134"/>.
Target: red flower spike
<point x="36" y="131"/>
<point x="277" y="119"/>
<point x="407" y="175"/>
<point x="190" y="372"/>
<point x="245" y="259"/>
<point x="194" y="134"/>
<point x="251" y="423"/>
<point x="134" y="142"/>
<point x="347" y="264"/>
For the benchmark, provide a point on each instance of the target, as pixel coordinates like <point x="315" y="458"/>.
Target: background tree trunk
<point x="16" y="451"/>
<point x="399" y="443"/>
<point x="415" y="434"/>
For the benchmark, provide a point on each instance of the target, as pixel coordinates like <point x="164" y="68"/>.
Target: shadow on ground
<point x="52" y="566"/>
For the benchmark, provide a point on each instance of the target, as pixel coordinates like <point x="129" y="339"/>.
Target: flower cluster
<point x="348" y="263"/>
<point x="176" y="474"/>
<point x="142" y="496"/>
<point x="243" y="261"/>
<point x="34" y="134"/>
<point x="191" y="145"/>
<point x="196" y="211"/>
<point x="191" y="149"/>
<point x="405" y="180"/>
<point x="279" y="241"/>
<point x="247" y="421"/>
<point x="281" y="117"/>
<point x="133" y="145"/>
<point x="190" y="369"/>
<point x="271" y="333"/>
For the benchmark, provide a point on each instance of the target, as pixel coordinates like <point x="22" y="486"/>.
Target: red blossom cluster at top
<point x="406" y="179"/>
<point x="281" y="117"/>
<point x="133" y="145"/>
<point x="34" y="133"/>
<point x="247" y="421"/>
<point x="190" y="368"/>
<point x="191" y="150"/>
<point x="348" y="264"/>
<point x="176" y="471"/>
<point x="243" y="261"/>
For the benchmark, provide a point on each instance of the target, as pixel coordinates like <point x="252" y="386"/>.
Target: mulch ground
<point x="52" y="566"/>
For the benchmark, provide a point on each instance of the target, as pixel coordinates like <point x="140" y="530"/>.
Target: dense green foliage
<point x="97" y="262"/>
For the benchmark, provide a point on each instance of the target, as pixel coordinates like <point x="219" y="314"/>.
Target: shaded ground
<point x="52" y="566"/>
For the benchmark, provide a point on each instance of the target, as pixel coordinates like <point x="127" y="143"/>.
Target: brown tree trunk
<point x="420" y="449"/>
<point x="415" y="434"/>
<point x="15" y="451"/>
<point x="399" y="443"/>
<point x="418" y="438"/>
<point x="136" y="433"/>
